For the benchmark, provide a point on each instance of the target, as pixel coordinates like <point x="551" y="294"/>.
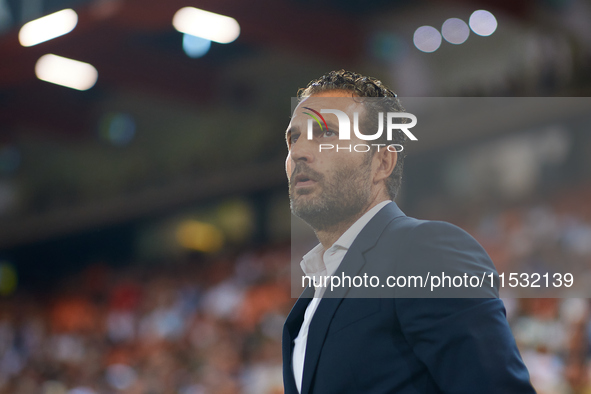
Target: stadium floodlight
<point x="427" y="39"/>
<point x="205" y="24"/>
<point x="483" y="23"/>
<point x="66" y="72"/>
<point x="455" y="31"/>
<point x="195" y="46"/>
<point x="48" y="27"/>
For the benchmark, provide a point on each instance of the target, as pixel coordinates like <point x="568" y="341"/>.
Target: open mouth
<point x="303" y="180"/>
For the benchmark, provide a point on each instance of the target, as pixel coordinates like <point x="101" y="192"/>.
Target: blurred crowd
<point x="213" y="324"/>
<point x="547" y="235"/>
<point x="193" y="327"/>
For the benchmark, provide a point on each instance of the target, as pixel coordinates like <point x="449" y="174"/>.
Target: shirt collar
<point x="346" y="240"/>
<point x="313" y="261"/>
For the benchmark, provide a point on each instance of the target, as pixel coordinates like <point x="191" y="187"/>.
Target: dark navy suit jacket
<point x="407" y="345"/>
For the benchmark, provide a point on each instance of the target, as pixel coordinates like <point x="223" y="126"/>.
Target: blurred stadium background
<point x="144" y="219"/>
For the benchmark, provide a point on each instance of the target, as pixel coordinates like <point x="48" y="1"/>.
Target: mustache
<point x="303" y="168"/>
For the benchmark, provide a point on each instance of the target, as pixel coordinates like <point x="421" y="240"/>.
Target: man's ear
<point x="386" y="161"/>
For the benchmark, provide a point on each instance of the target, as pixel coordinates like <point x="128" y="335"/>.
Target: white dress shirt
<point x="318" y="264"/>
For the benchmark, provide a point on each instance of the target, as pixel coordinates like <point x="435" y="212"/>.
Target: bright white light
<point x="48" y="27"/>
<point x="205" y="24"/>
<point x="427" y="38"/>
<point x="483" y="23"/>
<point x="195" y="46"/>
<point x="455" y="31"/>
<point x="66" y="72"/>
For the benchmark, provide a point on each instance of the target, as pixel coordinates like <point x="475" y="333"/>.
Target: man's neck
<point x="329" y="236"/>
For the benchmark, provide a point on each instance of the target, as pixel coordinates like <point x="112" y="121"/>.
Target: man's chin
<point x="303" y="208"/>
<point x="305" y="199"/>
<point x="316" y="215"/>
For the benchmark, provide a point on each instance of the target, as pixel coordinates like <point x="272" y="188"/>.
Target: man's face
<point x="326" y="187"/>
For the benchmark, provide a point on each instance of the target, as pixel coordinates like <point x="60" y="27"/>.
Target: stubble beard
<point x="344" y="195"/>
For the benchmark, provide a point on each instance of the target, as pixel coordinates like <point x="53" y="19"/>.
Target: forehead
<point x="340" y="100"/>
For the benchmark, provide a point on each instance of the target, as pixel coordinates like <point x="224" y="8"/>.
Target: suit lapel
<point x="352" y="263"/>
<point x="296" y="315"/>
<point x="290" y="331"/>
<point x="322" y="318"/>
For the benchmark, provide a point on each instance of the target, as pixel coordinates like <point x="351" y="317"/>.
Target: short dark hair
<point x="364" y="86"/>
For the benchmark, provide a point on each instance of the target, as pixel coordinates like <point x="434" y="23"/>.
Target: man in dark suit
<point x="382" y="339"/>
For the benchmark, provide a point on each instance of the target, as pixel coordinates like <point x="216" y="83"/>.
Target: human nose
<point x="302" y="150"/>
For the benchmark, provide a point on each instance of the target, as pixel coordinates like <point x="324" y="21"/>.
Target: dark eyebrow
<point x="332" y="125"/>
<point x="288" y="134"/>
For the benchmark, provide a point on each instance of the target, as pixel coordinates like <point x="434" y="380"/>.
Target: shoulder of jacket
<point x="407" y="224"/>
